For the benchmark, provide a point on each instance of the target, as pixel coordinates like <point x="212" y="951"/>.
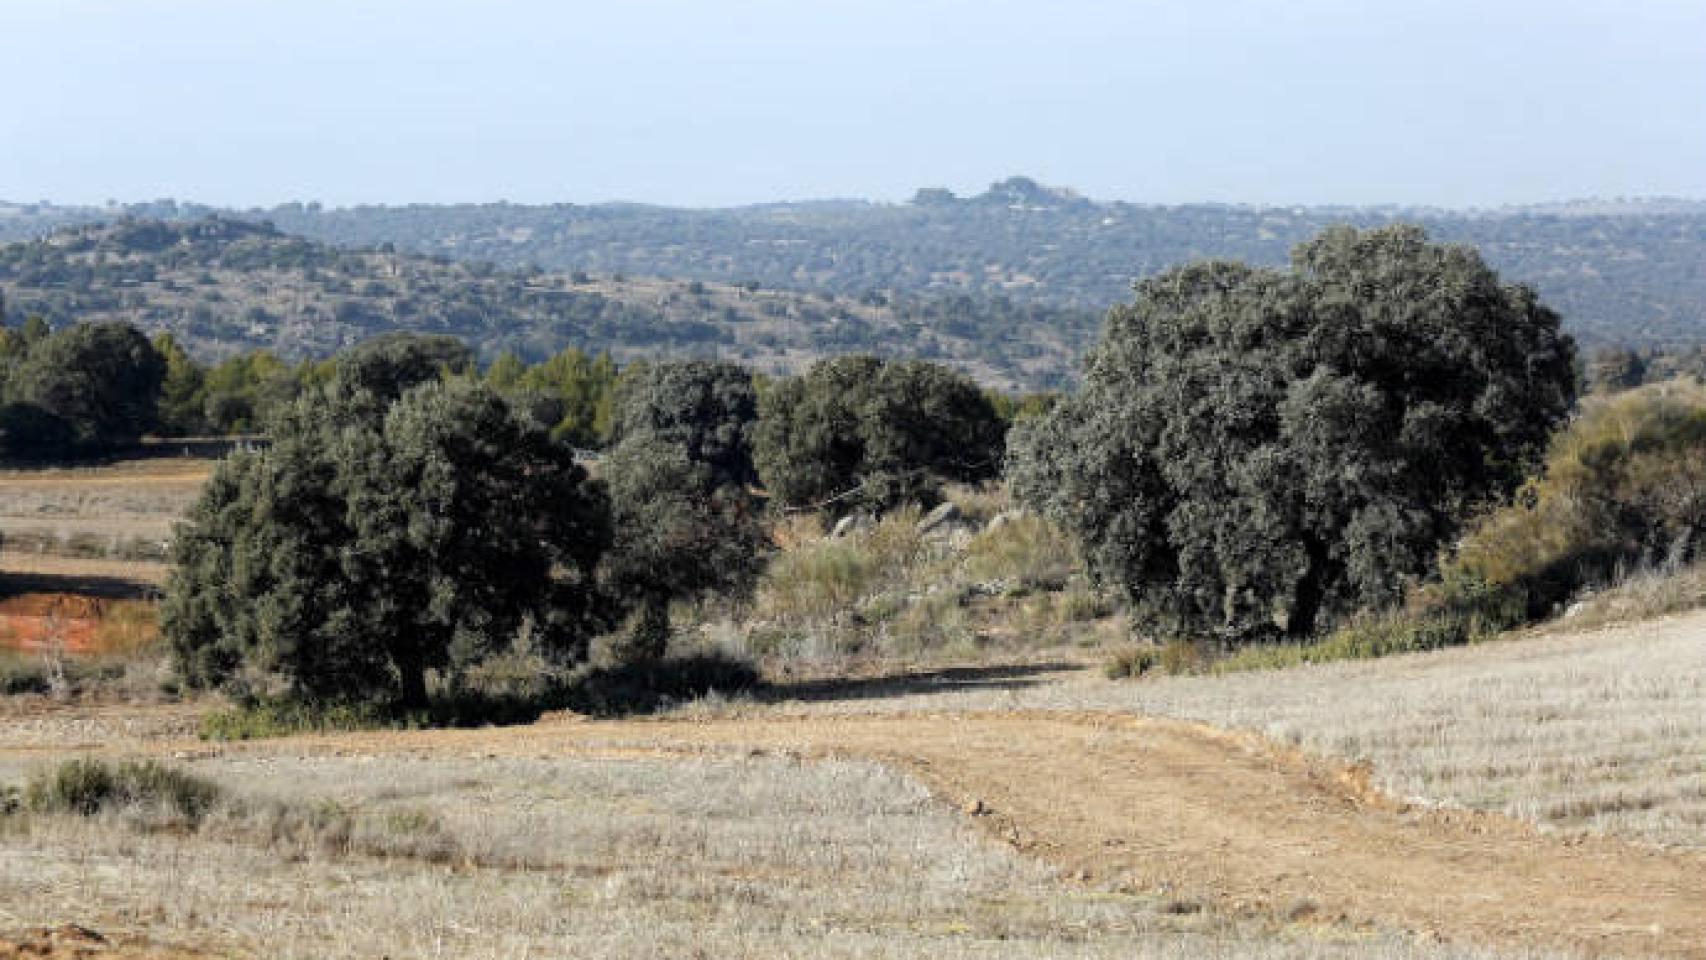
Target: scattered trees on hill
<point x="1255" y="452"/>
<point x="861" y="432"/>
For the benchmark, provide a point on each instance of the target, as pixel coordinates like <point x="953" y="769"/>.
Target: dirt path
<point x="1221" y="819"/>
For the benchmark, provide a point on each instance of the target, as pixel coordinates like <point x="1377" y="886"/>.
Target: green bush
<point x="87" y="787"/>
<point x="1259" y="453"/>
<point x="265" y="719"/>
<point x="1457" y="613"/>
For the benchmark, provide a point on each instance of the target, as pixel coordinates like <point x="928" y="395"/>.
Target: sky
<point x="723" y="102"/>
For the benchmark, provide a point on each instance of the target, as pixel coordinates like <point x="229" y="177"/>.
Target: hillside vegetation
<point x="224" y="286"/>
<point x="1628" y="273"/>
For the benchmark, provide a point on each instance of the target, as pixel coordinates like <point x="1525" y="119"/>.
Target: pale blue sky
<point x="1448" y="102"/>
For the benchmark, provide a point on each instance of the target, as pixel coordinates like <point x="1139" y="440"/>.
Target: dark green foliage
<point x="708" y="408"/>
<point x="572" y="392"/>
<point x="89" y="786"/>
<point x="372" y="542"/>
<point x="103" y="379"/>
<point x="183" y="390"/>
<point x="241" y="394"/>
<point x="390" y="364"/>
<point x="865" y="433"/>
<point x="27" y="432"/>
<point x="1257" y="452"/>
<point x="680" y="532"/>
<point x="678" y="478"/>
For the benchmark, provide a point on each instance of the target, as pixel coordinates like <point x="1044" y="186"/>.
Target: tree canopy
<point x="707" y="407"/>
<point x="103" y="379"/>
<point x="1255" y="450"/>
<point x="860" y="432"/>
<point x="374" y="541"/>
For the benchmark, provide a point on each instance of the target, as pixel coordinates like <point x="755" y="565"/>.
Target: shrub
<point x="1026" y="550"/>
<point x="1623" y="487"/>
<point x="264" y="719"/>
<point x="1131" y="662"/>
<point x="375" y="541"/>
<point x="1456" y="613"/>
<point x="680" y="533"/>
<point x="87" y="786"/>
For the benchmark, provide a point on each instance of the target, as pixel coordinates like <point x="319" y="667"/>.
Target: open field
<point x="122" y="511"/>
<point x="1602" y="730"/>
<point x="1541" y="793"/>
<point x="624" y="854"/>
<point x="991" y="813"/>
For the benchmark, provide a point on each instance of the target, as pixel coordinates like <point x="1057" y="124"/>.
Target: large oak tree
<point x="1256" y="451"/>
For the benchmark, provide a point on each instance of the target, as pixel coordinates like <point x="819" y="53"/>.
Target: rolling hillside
<point x="1624" y="272"/>
<point x="224" y="285"/>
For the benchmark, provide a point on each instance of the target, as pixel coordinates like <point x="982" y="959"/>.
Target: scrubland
<point x="1596" y="725"/>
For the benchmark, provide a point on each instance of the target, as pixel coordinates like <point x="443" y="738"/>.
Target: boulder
<point x="849" y="525"/>
<point x="943" y="518"/>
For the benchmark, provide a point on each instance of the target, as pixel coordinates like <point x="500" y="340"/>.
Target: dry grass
<point x="119" y="511"/>
<point x="748" y="857"/>
<point x="1603" y="730"/>
<point x="891" y="595"/>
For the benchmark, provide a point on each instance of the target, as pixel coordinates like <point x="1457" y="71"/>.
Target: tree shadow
<point x="946" y="680"/>
<point x="84" y="585"/>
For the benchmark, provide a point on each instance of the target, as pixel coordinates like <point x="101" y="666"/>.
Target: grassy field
<point x="635" y="857"/>
<point x="1598" y="730"/>
<point x="119" y="512"/>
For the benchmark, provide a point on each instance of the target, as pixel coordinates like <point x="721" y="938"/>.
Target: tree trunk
<point x="1300" y="622"/>
<point x="651" y="632"/>
<point x="413" y="675"/>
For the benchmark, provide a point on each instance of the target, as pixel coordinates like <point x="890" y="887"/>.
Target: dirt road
<point x="1224" y="820"/>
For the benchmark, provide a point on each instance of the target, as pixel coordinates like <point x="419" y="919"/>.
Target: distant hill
<point x="225" y="285"/>
<point x="1623" y="271"/>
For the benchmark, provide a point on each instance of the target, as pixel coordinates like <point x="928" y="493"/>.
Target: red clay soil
<point x="30" y="622"/>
